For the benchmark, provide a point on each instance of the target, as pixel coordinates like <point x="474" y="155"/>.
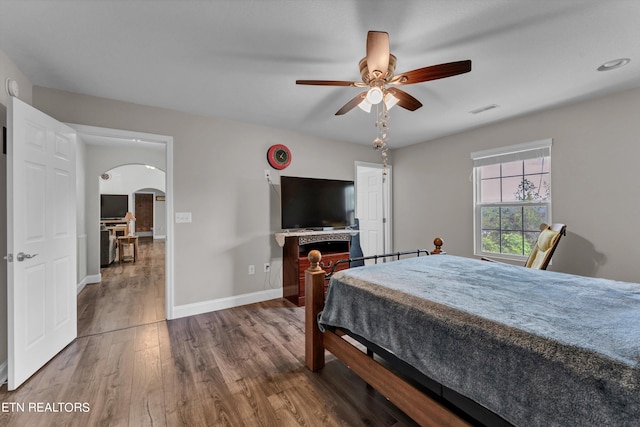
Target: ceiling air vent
<point x="105" y="177"/>
<point x="483" y="109"/>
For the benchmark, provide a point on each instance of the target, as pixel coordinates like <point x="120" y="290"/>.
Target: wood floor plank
<point x="252" y="399"/>
<point x="147" y="396"/>
<point x="115" y="387"/>
<point x="147" y="336"/>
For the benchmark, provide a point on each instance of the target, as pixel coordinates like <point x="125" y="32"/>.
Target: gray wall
<point x="595" y="189"/>
<point x="218" y="176"/>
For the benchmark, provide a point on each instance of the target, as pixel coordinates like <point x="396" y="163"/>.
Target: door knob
<point x="22" y="256"/>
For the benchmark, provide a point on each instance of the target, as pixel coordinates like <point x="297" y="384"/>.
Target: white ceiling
<point x="239" y="59"/>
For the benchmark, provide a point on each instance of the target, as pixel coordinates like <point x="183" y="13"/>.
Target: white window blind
<point x="526" y="151"/>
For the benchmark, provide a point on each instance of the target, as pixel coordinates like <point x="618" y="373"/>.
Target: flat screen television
<point x="113" y="206"/>
<point x="314" y="203"/>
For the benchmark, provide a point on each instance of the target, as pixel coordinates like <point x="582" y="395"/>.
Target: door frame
<point x="141" y="138"/>
<point x="387" y="208"/>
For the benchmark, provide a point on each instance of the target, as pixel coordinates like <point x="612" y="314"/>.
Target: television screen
<point x="113" y="206"/>
<point x="316" y="203"/>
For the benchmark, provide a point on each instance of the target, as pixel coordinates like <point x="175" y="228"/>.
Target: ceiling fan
<point x="377" y="70"/>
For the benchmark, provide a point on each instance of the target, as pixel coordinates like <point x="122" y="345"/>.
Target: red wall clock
<point x="279" y="156"/>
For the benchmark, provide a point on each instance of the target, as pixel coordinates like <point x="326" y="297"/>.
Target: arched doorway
<point x="145" y="189"/>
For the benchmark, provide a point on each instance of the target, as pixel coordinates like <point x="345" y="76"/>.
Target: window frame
<point x="525" y="151"/>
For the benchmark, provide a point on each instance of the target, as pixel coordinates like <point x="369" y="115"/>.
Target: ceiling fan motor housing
<point x="364" y="70"/>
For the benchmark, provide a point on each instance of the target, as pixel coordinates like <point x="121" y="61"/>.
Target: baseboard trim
<point x="224" y="303"/>
<point x="4" y="372"/>
<point x="92" y="278"/>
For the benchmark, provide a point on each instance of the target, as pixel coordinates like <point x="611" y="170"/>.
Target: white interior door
<point x="41" y="239"/>
<point x="372" y="208"/>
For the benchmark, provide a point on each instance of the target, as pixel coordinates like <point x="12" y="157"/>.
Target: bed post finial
<point x="314" y="280"/>
<point x="438" y="244"/>
<point x="314" y="259"/>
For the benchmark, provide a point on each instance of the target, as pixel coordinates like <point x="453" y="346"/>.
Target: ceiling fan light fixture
<point x="365" y="106"/>
<point x="374" y="96"/>
<point x="390" y="100"/>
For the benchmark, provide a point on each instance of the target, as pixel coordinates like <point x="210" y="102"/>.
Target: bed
<point x="528" y="347"/>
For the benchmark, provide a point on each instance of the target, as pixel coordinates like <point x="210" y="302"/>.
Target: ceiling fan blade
<point x="326" y="83"/>
<point x="405" y="100"/>
<point x="351" y="104"/>
<point x="432" y="72"/>
<point x="377" y="53"/>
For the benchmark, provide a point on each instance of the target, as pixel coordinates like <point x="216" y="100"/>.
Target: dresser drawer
<point x="326" y="263"/>
<point x="334" y="247"/>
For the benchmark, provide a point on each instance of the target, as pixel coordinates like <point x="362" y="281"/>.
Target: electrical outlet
<point x="252" y="270"/>
<point x="267" y="267"/>
<point x="267" y="174"/>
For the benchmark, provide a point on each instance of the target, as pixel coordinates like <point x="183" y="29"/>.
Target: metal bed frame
<point x="383" y="257"/>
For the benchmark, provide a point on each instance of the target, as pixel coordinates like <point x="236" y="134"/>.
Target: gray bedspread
<point x="538" y="348"/>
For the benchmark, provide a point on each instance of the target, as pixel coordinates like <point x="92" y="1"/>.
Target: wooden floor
<point x="130" y="294"/>
<point x="238" y="367"/>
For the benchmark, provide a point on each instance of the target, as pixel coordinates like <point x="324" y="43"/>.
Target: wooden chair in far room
<point x="545" y="246"/>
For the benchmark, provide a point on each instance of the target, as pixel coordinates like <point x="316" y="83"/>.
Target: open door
<point x="41" y="239"/>
<point x="372" y="208"/>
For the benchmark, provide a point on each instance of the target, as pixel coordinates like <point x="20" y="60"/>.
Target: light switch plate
<point x="183" y="217"/>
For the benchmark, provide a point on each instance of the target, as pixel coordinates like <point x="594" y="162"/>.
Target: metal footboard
<point x="396" y="255"/>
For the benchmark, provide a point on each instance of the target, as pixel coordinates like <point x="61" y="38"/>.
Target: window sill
<point x="511" y="259"/>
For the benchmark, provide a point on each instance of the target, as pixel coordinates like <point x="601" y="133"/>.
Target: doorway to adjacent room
<point x="130" y="293"/>
<point x="373" y="208"/>
<point x="144" y="213"/>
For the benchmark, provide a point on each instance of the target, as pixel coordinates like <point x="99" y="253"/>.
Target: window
<point x="512" y="197"/>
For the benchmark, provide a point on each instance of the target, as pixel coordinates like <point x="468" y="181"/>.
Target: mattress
<point x="538" y="348"/>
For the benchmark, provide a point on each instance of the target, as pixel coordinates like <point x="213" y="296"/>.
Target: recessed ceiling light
<point x="616" y="63"/>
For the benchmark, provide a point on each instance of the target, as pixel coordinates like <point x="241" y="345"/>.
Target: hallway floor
<point x="130" y="294"/>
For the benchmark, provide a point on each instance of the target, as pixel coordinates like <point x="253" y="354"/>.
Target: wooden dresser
<point x="334" y="246"/>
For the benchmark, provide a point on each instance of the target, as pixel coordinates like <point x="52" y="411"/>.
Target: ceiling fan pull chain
<point x="380" y="143"/>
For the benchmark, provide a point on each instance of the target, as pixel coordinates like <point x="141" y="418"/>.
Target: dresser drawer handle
<point x="323" y="265"/>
